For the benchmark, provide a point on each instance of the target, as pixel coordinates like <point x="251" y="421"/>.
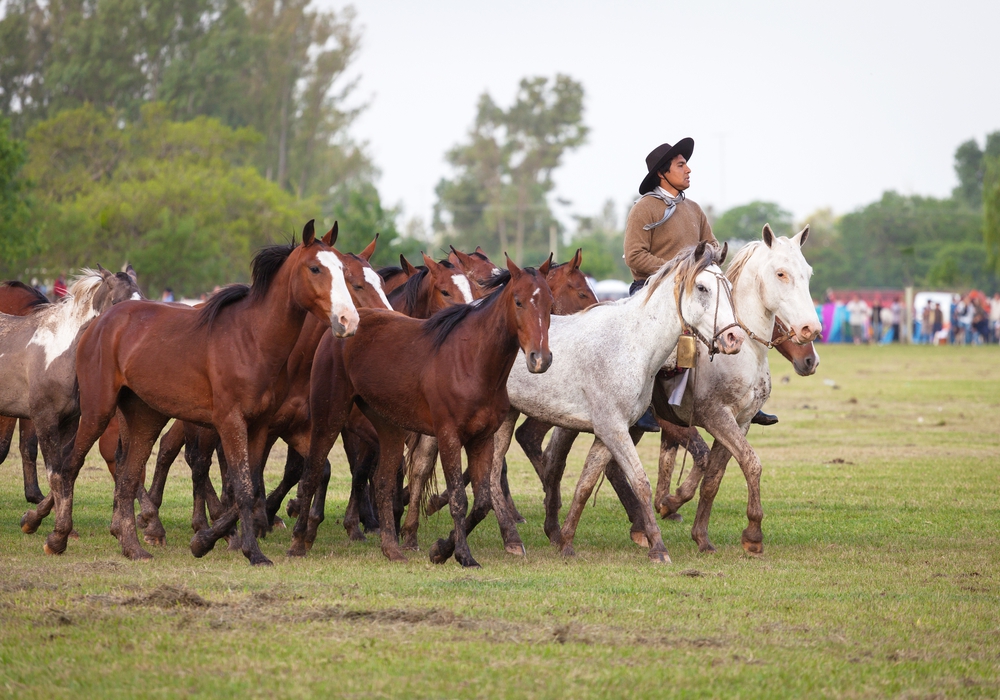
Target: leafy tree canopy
<point x="17" y="225"/>
<point x="746" y="222"/>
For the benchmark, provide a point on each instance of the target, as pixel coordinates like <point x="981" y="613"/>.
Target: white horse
<point x="601" y="378"/>
<point x="770" y="278"/>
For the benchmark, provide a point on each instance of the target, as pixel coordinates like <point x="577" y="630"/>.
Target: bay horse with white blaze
<point x="220" y="366"/>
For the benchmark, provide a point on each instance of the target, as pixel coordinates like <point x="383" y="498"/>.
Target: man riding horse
<point x="654" y="234"/>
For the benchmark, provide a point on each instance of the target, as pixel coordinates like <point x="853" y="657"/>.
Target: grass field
<point x="880" y="576"/>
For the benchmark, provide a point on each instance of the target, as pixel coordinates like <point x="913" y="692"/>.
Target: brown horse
<point x="444" y="377"/>
<point x="225" y="365"/>
<point x="290" y="422"/>
<point x="570" y="293"/>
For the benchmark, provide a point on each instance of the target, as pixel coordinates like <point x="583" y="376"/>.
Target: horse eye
<point x="517" y="303"/>
<point x="781" y="274"/>
<point x="445" y="293"/>
<point x="314" y="270"/>
<point x="702" y="288"/>
<point x="359" y="287"/>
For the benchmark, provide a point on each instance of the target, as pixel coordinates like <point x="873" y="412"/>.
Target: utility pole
<point x="554" y="241"/>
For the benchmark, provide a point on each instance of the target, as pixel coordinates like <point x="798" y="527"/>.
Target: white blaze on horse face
<point x="340" y="298"/>
<point x="462" y="282"/>
<point x="374" y="280"/>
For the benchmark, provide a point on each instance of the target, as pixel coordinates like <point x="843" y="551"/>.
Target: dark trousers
<point x="636" y="286"/>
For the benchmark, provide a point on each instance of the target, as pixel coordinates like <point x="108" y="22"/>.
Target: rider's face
<point x="678" y="178"/>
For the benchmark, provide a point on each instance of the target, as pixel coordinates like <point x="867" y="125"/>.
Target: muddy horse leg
<point x="718" y="458"/>
<point x="450" y="448"/>
<point x="554" y="467"/>
<point x="726" y="430"/>
<point x="529" y="436"/>
<point x="171" y="445"/>
<point x="598" y="456"/>
<point x="692" y="441"/>
<point x="27" y="445"/>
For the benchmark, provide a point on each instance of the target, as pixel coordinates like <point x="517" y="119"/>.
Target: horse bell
<point x="686" y="351"/>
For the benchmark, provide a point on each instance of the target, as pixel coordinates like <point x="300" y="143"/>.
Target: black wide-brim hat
<point x="661" y="156"/>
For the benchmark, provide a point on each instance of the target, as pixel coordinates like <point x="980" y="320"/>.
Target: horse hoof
<point x="516" y="548"/>
<point x="435" y="503"/>
<point x="676" y="517"/>
<point x="260" y="560"/>
<point x="706" y="548"/>
<point x="659" y="557"/>
<point x="470" y="563"/>
<point x="395" y="555"/>
<point x="753" y="547"/>
<point x="520" y="519"/>
<point x="437" y="554"/>
<point x="74" y="535"/>
<point x="278" y="523"/>
<point x="200" y="546"/>
<point x="35" y="498"/>
<point x="139" y="554"/>
<point x="640" y="539"/>
<point x="155" y="540"/>
<point x="30" y="523"/>
<point x="298" y="549"/>
<point x="568" y="551"/>
<point x="354" y="534"/>
<point x="410" y="544"/>
<point x="292" y="508"/>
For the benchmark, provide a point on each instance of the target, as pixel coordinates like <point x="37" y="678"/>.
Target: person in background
<point x="961" y="321"/>
<point x="885" y="324"/>
<point x="857" y="315"/>
<point x="937" y="322"/>
<point x="168" y="294"/>
<point x="897" y="319"/>
<point x="59" y="288"/>
<point x="877" y="319"/>
<point x="926" y="322"/>
<point x="995" y="317"/>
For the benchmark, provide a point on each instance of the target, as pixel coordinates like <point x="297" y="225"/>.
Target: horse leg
<point x="27" y="445"/>
<point x="244" y="448"/>
<point x="556" y="454"/>
<point x="294" y="466"/>
<point x="718" y="458"/>
<point x="508" y="499"/>
<point x="692" y="441"/>
<point x="505" y="515"/>
<point x="391" y="441"/>
<point x="48" y="432"/>
<point x="142" y="425"/>
<point x="450" y="448"/>
<point x="170" y="446"/>
<point x="362" y="460"/>
<point x="199" y="444"/>
<point x="725" y="429"/>
<point x="325" y="430"/>
<point x="598" y="456"/>
<point x="529" y="436"/>
<point x="422" y="459"/>
<point x="7" y="427"/>
<point x="621" y="444"/>
<point x="367" y="510"/>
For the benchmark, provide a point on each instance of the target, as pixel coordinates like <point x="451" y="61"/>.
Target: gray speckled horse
<point x="38" y="363"/>
<point x="601" y="379"/>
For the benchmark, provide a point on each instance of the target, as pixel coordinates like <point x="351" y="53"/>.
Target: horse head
<point x="570" y="290"/>
<point x="449" y="284"/>
<point x="114" y="287"/>
<point x="477" y="267"/>
<point x="318" y="283"/>
<point x="363" y="283"/>
<point x="804" y="358"/>
<point x="704" y="299"/>
<point x="784" y="283"/>
<point x="530" y="306"/>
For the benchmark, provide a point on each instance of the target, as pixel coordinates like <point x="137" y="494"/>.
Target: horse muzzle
<point x="807" y="333"/>
<point x="346" y="324"/>
<point x="806" y="366"/>
<point x="538" y="362"/>
<point x="730" y="341"/>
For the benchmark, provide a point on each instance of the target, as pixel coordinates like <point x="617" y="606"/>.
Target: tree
<point x="745" y="223"/>
<point x="360" y="215"/>
<point x="970" y="167"/>
<point x="602" y="242"/>
<point x="991" y="212"/>
<point x="17" y="225"/>
<point x="504" y="171"/>
<point x="177" y="199"/>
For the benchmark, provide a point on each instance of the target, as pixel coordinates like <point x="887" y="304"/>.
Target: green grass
<point x="879" y="577"/>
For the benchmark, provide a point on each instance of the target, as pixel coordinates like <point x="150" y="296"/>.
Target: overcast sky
<point x="807" y="104"/>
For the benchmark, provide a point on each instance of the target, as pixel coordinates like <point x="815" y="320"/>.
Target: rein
<point x="712" y="344"/>
<point x="769" y="344"/>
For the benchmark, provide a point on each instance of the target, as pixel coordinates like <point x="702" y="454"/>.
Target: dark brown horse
<point x="444" y="377"/>
<point x="220" y="366"/>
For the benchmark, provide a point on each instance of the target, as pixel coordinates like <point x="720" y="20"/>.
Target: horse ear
<point x="545" y="266"/>
<point x="514" y="270"/>
<point x="699" y="250"/>
<point x="723" y="252"/>
<point x="407" y="267"/>
<point x="577" y="259"/>
<point x="429" y="262"/>
<point x="309" y="232"/>
<point x="768" y="235"/>
<point x="803" y="235"/>
<point x="479" y="249"/>
<point x="331" y="236"/>
<point x="369" y="251"/>
<point x="104" y="273"/>
<point x="130" y="271"/>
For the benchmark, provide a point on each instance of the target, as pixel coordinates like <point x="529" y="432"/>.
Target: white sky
<point x="807" y="104"/>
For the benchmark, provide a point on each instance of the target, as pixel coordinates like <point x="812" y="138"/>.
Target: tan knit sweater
<point x="646" y="251"/>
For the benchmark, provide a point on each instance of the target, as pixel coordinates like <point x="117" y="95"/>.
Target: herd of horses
<point x="407" y="365"/>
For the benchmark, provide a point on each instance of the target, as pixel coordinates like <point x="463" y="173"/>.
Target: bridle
<point x="769" y="344"/>
<point x="686" y="328"/>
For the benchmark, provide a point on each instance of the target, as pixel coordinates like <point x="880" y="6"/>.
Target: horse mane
<point x="264" y="268"/>
<point x="441" y="324"/>
<point x="687" y="267"/>
<point x="445" y="321"/>
<point x="409" y="290"/>
<point x="388" y="272"/>
<point x="740" y="261"/>
<point x="38" y="299"/>
<point x="84" y="284"/>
